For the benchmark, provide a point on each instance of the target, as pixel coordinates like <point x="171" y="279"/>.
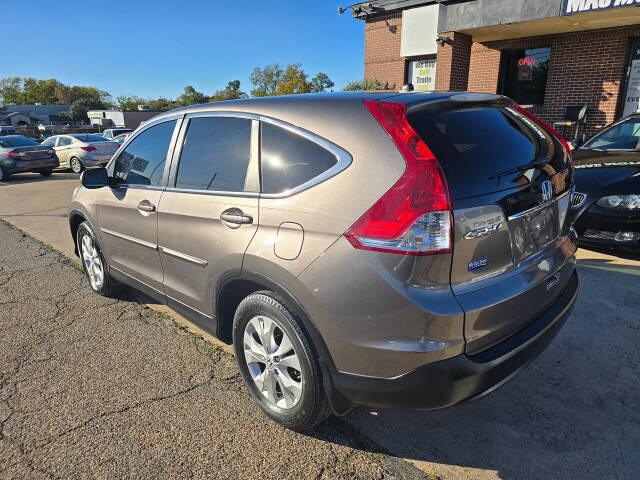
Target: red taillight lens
<point x="414" y="216"/>
<point x="548" y="128"/>
<point x="16" y="154"/>
<point x="89" y="149"/>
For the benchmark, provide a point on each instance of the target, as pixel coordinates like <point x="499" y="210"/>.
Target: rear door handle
<point x="235" y="216"/>
<point x="146" y="206"/>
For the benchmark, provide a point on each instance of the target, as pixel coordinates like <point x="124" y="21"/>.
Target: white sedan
<point x="78" y="151"/>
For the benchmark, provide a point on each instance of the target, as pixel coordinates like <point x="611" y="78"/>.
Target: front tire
<point x="93" y="262"/>
<point x="76" y="165"/>
<point x="4" y="176"/>
<point x="278" y="363"/>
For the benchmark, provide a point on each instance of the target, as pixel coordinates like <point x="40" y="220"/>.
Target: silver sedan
<point x="81" y="150"/>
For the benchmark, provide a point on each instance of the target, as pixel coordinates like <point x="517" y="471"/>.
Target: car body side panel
<point x="382" y="314"/>
<point x="197" y="247"/>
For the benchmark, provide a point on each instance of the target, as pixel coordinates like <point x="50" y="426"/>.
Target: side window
<point x="215" y="155"/>
<point x="64" y="141"/>
<point x="289" y="160"/>
<point x="625" y="136"/>
<point x="142" y="162"/>
<point x="49" y="142"/>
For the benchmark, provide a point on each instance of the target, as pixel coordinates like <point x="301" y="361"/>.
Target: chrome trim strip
<point x="538" y="207"/>
<point x="583" y="198"/>
<point x="130" y="239"/>
<point x="213" y="192"/>
<point x="184" y="256"/>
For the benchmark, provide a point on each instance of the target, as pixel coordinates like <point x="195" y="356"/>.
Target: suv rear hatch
<point x="509" y="176"/>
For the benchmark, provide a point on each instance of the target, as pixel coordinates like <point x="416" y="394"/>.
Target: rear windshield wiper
<point x="520" y="168"/>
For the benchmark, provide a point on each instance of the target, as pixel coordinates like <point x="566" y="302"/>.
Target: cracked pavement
<point x="92" y="387"/>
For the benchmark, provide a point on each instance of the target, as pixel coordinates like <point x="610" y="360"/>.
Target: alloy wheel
<point x="76" y="166"/>
<point x="273" y="362"/>
<point x="92" y="263"/>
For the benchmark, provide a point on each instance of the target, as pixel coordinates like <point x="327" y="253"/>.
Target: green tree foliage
<point x="292" y="79"/>
<point x="79" y="108"/>
<point x="191" y="97"/>
<point x="29" y="91"/>
<point x="367" y="84"/>
<point x="321" y="83"/>
<point x="231" y="92"/>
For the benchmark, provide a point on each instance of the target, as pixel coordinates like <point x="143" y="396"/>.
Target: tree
<point x="366" y="85"/>
<point x="191" y="97"/>
<point x="130" y="103"/>
<point x="275" y="80"/>
<point x="11" y="90"/>
<point x="231" y="92"/>
<point x="79" y="108"/>
<point x="321" y="82"/>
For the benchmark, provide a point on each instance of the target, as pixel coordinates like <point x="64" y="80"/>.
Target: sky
<point x="156" y="48"/>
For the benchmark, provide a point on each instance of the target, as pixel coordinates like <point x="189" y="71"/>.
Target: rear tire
<point x="93" y="263"/>
<point x="281" y="372"/>
<point x="46" y="173"/>
<point x="76" y="165"/>
<point x="4" y="176"/>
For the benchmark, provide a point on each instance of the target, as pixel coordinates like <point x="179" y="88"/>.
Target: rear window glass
<point x="91" y="138"/>
<point x="10" y="142"/>
<point x="476" y="146"/>
<point x="289" y="160"/>
<point x="215" y="155"/>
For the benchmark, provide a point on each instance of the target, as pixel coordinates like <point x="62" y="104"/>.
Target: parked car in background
<point x="121" y="138"/>
<point x="113" y="132"/>
<point x="81" y="150"/>
<point x="21" y="154"/>
<point x="404" y="251"/>
<point x="606" y="203"/>
<point x="7" y="130"/>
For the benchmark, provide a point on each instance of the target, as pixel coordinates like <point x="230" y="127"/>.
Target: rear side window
<point x="142" y="162"/>
<point x="475" y="146"/>
<point x="215" y="155"/>
<point x="288" y="160"/>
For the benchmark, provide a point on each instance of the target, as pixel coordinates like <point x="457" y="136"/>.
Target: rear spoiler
<point x="463" y="100"/>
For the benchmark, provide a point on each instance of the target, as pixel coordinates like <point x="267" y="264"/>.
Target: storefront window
<point x="422" y="74"/>
<point x="524" y="74"/>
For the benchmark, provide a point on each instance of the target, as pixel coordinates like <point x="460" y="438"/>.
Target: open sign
<point x="526" y="61"/>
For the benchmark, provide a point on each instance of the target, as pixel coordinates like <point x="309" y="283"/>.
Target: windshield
<point x="10" y="142"/>
<point x="91" y="138"/>
<point x="623" y="136"/>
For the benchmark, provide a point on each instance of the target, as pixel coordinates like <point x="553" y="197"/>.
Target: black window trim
<point x="344" y="159"/>
<point x="179" y="118"/>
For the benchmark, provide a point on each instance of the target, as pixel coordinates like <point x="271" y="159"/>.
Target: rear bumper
<point x="448" y="382"/>
<point x="11" y="166"/>
<point x="90" y="160"/>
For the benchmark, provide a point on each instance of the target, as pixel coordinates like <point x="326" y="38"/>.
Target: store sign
<point x="570" y="7"/>
<point x="632" y="100"/>
<point x="422" y="74"/>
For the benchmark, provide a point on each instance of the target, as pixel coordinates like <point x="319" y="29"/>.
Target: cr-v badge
<point x="483" y="232"/>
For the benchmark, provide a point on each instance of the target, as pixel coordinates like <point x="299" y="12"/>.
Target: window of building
<point x="289" y="160"/>
<point x="524" y="74"/>
<point x="142" y="162"/>
<point x="422" y="74"/>
<point x="215" y="155"/>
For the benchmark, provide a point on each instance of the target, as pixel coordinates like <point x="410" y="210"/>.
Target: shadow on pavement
<point x="573" y="413"/>
<point x="20" y="178"/>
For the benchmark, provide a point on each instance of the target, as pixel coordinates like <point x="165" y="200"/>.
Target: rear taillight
<point x="414" y="216"/>
<point x="16" y="154"/>
<point x="89" y="149"/>
<point x="548" y="128"/>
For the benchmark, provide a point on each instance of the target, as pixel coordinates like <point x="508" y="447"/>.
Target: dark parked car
<point x="606" y="203"/>
<point x="21" y="154"/>
<point x="394" y="250"/>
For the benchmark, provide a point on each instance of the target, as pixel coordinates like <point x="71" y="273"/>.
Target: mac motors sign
<point x="582" y="6"/>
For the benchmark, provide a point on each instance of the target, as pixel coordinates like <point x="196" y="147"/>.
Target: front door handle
<point x="146" y="206"/>
<point x="235" y="216"/>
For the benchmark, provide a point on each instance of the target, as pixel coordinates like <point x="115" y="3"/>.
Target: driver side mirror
<point x="577" y="142"/>
<point x="94" y="178"/>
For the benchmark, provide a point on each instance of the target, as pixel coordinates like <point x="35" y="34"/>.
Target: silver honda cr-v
<point x="392" y="250"/>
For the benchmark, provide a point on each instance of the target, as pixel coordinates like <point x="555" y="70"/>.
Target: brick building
<point x="546" y="54"/>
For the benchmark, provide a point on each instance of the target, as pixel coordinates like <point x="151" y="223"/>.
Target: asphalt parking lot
<point x="110" y="388"/>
